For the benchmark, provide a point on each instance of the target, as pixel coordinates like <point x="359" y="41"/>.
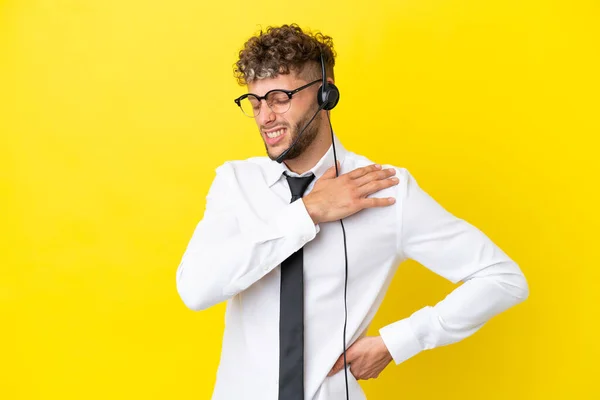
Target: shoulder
<point x="407" y="186"/>
<point x="251" y="172"/>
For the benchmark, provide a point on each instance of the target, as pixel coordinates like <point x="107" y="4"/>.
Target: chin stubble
<point x="305" y="141"/>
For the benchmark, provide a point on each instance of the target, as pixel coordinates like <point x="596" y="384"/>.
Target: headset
<point x="327" y="98"/>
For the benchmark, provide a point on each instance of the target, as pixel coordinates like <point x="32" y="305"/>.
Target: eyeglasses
<point x="278" y="100"/>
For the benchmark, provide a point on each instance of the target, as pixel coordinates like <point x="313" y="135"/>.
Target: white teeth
<point x="275" y="134"/>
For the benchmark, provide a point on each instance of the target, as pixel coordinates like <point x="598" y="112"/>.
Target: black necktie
<point x="291" y="314"/>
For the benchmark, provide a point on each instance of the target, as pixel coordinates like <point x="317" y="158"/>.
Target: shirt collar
<point x="274" y="170"/>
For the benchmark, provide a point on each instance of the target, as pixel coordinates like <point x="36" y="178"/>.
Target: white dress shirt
<point x="249" y="227"/>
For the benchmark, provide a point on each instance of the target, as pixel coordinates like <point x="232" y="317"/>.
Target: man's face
<point x="279" y="131"/>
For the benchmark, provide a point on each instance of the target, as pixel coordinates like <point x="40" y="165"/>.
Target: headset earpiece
<point x="330" y="96"/>
<point x="328" y="93"/>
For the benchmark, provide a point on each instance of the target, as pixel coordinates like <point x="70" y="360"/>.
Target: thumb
<point x="330" y="173"/>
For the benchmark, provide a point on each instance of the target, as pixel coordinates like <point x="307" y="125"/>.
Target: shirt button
<point x="266" y="268"/>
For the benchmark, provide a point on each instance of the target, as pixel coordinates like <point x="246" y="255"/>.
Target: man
<point x="251" y="236"/>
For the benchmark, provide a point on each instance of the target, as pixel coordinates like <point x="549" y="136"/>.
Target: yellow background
<point x="114" y="115"/>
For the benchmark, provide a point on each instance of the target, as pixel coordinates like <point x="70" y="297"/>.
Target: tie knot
<point x="298" y="185"/>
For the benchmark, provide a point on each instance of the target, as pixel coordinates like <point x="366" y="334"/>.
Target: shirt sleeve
<point x="224" y="257"/>
<point x="458" y="251"/>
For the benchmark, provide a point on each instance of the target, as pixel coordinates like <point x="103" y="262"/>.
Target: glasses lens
<point x="250" y="106"/>
<point x="279" y="102"/>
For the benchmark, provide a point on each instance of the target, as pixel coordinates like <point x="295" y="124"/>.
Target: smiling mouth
<point x="274" y="137"/>
<point x="275" y="134"/>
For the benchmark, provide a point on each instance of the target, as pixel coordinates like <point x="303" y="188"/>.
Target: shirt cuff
<point x="400" y="340"/>
<point x="296" y="218"/>
<point x="293" y="223"/>
<point x="293" y="220"/>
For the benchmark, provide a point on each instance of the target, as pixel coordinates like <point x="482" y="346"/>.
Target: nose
<point x="266" y="115"/>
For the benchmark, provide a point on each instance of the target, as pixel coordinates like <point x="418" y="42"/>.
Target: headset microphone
<point x="327" y="98"/>
<point x="282" y="155"/>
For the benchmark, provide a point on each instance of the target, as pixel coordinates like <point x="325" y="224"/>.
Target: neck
<point x="312" y="154"/>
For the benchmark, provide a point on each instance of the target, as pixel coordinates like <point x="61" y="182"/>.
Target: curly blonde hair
<point x="280" y="50"/>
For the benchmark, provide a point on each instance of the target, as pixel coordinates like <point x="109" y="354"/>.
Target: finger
<point x="357" y="173"/>
<point x="376" y="186"/>
<point x="371" y="202"/>
<point x="334" y="370"/>
<point x="375" y="175"/>
<point x="339" y="364"/>
<point x="335" y="367"/>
